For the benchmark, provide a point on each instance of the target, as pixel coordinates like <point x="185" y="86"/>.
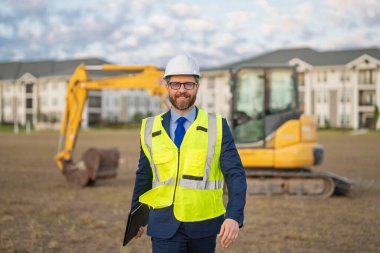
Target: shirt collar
<point x="190" y="116"/>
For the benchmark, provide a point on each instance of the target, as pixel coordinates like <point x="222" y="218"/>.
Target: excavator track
<point x="297" y="183"/>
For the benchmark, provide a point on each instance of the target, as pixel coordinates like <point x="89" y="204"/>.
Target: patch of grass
<point x="5" y="127"/>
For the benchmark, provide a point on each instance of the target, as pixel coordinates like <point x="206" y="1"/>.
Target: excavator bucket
<point x="95" y="164"/>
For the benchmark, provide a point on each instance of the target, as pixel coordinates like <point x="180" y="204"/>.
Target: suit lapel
<point x="166" y="122"/>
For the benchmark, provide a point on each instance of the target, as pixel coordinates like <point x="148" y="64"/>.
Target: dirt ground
<point x="40" y="212"/>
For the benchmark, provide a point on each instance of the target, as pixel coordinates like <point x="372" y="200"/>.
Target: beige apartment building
<point x="340" y="88"/>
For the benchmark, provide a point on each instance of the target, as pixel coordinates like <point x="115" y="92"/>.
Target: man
<point x="186" y="155"/>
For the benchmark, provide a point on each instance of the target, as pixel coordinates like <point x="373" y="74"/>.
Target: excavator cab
<point x="276" y="142"/>
<point x="264" y="98"/>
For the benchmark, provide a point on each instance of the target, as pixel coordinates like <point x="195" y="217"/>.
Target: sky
<point x="152" y="31"/>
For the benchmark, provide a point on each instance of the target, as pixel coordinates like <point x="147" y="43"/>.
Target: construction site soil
<point x="41" y="212"/>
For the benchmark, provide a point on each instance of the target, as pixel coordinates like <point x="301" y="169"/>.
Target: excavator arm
<point x="85" y="172"/>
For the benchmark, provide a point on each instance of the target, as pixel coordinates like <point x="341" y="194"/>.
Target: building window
<point x="54" y="101"/>
<point x="29" y="103"/>
<point x="325" y="76"/>
<point x="29" y="88"/>
<point x="130" y="101"/>
<point x="344" y="77"/>
<point x="367" y="98"/>
<point x="95" y="102"/>
<point x="345" y="120"/>
<point x="367" y="76"/>
<point x="345" y="96"/>
<point x="7" y="101"/>
<point x="43" y="101"/>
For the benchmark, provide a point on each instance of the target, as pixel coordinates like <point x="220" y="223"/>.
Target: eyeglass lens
<point x="186" y="85"/>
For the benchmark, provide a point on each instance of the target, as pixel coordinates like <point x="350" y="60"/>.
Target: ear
<point x="197" y="87"/>
<point x="161" y="81"/>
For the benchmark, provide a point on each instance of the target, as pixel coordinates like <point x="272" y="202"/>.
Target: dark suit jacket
<point x="163" y="224"/>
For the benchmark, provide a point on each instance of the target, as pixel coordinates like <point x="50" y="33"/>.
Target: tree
<point x="137" y="117"/>
<point x="376" y="115"/>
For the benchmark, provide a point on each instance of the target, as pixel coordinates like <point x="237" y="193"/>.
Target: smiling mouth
<point x="183" y="96"/>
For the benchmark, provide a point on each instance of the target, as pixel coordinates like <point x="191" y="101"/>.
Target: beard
<point x="182" y="106"/>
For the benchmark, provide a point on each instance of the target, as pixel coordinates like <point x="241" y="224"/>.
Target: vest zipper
<point x="176" y="181"/>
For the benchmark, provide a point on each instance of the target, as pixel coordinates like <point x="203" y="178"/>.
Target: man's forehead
<point x="182" y="78"/>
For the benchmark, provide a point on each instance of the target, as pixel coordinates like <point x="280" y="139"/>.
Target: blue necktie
<point x="179" y="132"/>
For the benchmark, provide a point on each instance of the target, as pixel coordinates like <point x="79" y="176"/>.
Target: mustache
<point x="182" y="94"/>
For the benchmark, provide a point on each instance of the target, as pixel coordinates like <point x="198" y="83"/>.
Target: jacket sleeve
<point x="234" y="176"/>
<point x="143" y="181"/>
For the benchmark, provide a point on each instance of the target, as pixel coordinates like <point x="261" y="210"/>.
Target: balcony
<point x="367" y="99"/>
<point x="367" y="79"/>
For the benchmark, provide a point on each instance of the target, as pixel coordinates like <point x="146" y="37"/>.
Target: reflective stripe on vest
<point x="185" y="182"/>
<point x="148" y="143"/>
<point x="205" y="184"/>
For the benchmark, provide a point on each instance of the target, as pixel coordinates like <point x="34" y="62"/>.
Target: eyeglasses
<point x="186" y="85"/>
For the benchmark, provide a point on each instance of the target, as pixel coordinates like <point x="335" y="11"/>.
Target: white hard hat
<point x="182" y="64"/>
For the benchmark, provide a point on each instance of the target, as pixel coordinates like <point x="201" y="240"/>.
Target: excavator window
<point x="282" y="92"/>
<point x="249" y="106"/>
<point x="264" y="98"/>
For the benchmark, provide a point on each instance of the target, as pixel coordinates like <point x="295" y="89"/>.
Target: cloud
<point x="352" y="40"/>
<point x="268" y="8"/>
<point x="151" y="31"/>
<point x="366" y="11"/>
<point x="164" y="25"/>
<point x="290" y="26"/>
<point x="160" y="21"/>
<point x="6" y="31"/>
<point x="238" y="18"/>
<point x="143" y="5"/>
<point x="199" y="25"/>
<point x="304" y="12"/>
<point x="185" y="10"/>
<point x="143" y="31"/>
<point x="132" y="41"/>
<point x="30" y="28"/>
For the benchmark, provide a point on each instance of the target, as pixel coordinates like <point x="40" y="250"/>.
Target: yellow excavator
<point x="276" y="142"/>
<point x="98" y="163"/>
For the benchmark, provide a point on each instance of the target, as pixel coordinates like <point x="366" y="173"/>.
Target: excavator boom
<point x="98" y="163"/>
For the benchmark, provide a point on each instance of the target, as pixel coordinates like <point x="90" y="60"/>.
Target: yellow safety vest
<point x="190" y="176"/>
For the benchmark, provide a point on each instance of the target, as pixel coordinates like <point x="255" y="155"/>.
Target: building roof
<point x="311" y="56"/>
<point x="14" y="70"/>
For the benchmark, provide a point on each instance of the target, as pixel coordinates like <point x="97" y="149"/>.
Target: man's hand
<point x="228" y="232"/>
<point x="140" y="232"/>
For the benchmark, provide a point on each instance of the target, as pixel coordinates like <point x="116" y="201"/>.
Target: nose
<point x="182" y="88"/>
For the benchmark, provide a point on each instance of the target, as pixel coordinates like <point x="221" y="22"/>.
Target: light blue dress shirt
<point x="190" y="117"/>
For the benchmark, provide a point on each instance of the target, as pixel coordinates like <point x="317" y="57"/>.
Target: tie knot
<point x="181" y="120"/>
